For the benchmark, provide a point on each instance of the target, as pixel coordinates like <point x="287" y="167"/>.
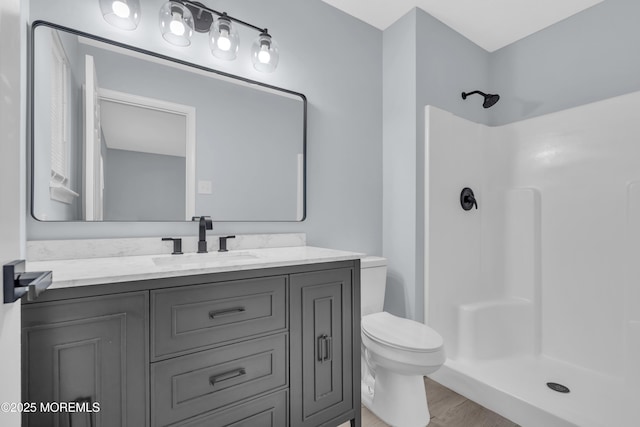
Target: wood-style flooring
<point x="448" y="409"/>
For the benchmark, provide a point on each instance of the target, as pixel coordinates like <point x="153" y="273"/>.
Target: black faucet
<point x="205" y="224"/>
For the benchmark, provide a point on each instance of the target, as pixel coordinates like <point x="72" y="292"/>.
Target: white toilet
<point x="396" y="354"/>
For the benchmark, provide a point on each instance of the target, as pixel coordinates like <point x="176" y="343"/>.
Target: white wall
<point x="12" y="210"/>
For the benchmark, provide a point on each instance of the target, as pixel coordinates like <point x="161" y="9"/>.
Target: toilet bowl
<point x="396" y="354"/>
<point x="402" y="345"/>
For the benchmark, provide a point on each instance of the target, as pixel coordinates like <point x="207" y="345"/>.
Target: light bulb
<point x="177" y="26"/>
<point x="223" y="42"/>
<point x="223" y="39"/>
<point x="120" y="9"/>
<point x="264" y="56"/>
<point x="265" y="53"/>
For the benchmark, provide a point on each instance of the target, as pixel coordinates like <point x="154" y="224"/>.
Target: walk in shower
<point x="540" y="284"/>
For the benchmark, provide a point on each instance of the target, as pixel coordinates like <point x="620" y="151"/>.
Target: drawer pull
<point x="223" y="313"/>
<point x="227" y="376"/>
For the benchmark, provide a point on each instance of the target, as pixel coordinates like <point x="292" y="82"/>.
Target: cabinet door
<point x="321" y="346"/>
<point x="87" y="350"/>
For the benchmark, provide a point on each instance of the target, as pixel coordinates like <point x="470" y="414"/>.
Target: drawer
<point x="192" y="317"/>
<point x="267" y="411"/>
<point x="191" y="385"/>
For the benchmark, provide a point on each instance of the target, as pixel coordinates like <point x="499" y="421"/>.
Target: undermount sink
<point x="213" y="257"/>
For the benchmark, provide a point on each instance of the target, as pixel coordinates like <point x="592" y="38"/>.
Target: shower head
<point x="489" y="99"/>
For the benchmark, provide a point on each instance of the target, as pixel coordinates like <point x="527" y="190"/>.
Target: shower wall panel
<point x="454" y="267"/>
<point x="571" y="245"/>
<point x="581" y="160"/>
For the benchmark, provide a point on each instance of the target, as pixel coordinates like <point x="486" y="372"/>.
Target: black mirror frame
<point x="31" y="101"/>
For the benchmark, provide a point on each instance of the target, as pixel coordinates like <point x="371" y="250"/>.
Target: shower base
<point x="516" y="388"/>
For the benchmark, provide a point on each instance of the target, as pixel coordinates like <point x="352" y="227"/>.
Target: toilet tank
<point x="373" y="279"/>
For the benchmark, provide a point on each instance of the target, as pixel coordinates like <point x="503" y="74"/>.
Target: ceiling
<point x="158" y="132"/>
<point x="491" y="24"/>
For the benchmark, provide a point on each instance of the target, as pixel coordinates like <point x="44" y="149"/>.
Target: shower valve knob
<point x="468" y="199"/>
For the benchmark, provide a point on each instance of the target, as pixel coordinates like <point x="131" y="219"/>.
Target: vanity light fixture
<point x="180" y="18"/>
<point x="223" y="35"/>
<point x="124" y="14"/>
<point x="176" y="23"/>
<point x="223" y="38"/>
<point x="265" y="53"/>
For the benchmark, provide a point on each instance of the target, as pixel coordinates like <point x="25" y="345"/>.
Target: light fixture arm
<point x="203" y="22"/>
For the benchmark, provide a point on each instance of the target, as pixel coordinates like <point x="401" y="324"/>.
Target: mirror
<point x="122" y="134"/>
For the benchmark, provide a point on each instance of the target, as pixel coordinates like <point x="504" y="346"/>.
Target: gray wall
<point x="131" y="176"/>
<point x="590" y="56"/>
<point x="340" y="73"/>
<point x="399" y="162"/>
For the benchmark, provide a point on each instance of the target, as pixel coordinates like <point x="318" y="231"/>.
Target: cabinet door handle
<point x="325" y="348"/>
<point x="227" y="376"/>
<point x="228" y="312"/>
<point x="89" y="414"/>
<point x="321" y="347"/>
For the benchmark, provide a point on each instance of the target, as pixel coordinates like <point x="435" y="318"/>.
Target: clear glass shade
<point x="124" y="14"/>
<point x="265" y="53"/>
<point x="223" y="39"/>
<point x="176" y="23"/>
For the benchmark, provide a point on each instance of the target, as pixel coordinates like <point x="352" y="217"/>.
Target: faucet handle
<point x="222" y="242"/>
<point x="177" y="245"/>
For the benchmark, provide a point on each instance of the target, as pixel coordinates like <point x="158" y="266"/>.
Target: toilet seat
<point x="402" y="334"/>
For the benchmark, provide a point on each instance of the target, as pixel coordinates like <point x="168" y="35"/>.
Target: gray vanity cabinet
<point x="322" y="348"/>
<point x="87" y="350"/>
<point x="274" y="347"/>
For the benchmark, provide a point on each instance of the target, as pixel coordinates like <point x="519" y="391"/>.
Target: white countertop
<point x="95" y="271"/>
